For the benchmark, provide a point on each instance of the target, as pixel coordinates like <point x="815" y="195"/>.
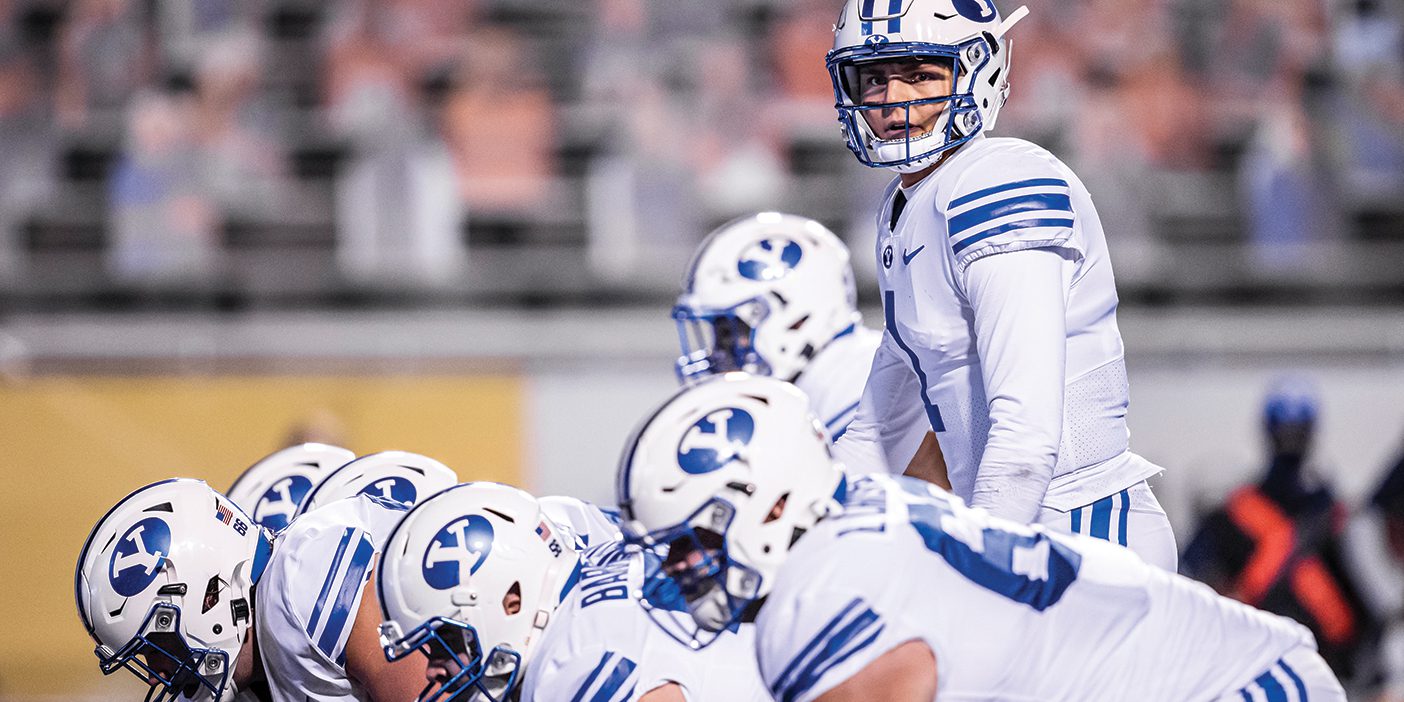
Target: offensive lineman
<point x="484" y="582"/>
<point x="891" y="589"/>
<point x="997" y="288"/>
<point x="772" y="294"/>
<point x="166" y="586"/>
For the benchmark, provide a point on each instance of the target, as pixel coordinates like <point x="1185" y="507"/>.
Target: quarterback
<point x="998" y="295"/>
<point x="888" y="588"/>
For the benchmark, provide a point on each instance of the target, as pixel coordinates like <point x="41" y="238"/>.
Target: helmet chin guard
<point x="966" y="36"/>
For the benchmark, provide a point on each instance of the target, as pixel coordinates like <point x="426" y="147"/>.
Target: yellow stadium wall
<point x="73" y="446"/>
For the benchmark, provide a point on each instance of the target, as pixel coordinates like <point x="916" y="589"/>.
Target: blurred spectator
<point x="1277" y="545"/>
<point x="797" y="46"/>
<point x="1368" y="112"/>
<point x="737" y="154"/>
<point x="1375" y="553"/>
<point x="501" y="126"/>
<point x="397" y="213"/>
<point x="26" y="140"/>
<point x="165" y="222"/>
<point x="106" y="56"/>
<point x="237" y="130"/>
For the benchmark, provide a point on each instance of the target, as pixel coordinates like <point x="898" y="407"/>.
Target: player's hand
<point x="929" y="463"/>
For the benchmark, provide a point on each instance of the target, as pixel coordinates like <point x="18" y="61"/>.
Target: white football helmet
<point x="726" y="475"/>
<point x="445" y="577"/>
<point x="272" y="489"/>
<point x="764" y="294"/>
<point x="165" y="587"/>
<point x="966" y="36"/>
<point x="398" y="476"/>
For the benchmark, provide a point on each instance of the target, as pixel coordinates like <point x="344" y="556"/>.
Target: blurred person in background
<point x="165" y="218"/>
<point x="1277" y="544"/>
<point x="398" y="212"/>
<point x="1374" y="549"/>
<point x="106" y="56"/>
<point x="27" y="145"/>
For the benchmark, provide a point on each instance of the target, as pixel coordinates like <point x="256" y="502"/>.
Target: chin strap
<point x="1010" y="21"/>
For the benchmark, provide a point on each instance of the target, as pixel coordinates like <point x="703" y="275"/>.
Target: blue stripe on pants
<point x="1125" y="512"/>
<point x="1101" y="519"/>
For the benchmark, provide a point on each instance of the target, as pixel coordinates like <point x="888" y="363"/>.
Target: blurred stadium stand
<point x="205" y="154"/>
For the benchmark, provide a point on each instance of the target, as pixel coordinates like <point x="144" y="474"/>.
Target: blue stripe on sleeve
<point x="1122" y="516"/>
<point x="1012" y="226"/>
<point x="1033" y="202"/>
<point x="837" y="648"/>
<point x="580" y="694"/>
<point x="810" y="647"/>
<point x="1246" y="697"/>
<point x="345" y="597"/>
<point x="1274" y="690"/>
<point x="1296" y="680"/>
<point x="1101" y="519"/>
<point x="622" y="670"/>
<point x="1077" y="521"/>
<point x="1032" y="183"/>
<point x="331" y="576"/>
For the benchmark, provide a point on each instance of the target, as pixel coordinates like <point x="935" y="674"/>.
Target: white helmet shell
<point x="166" y="579"/>
<point x="741" y="456"/>
<point x="452" y="562"/>
<point x="785" y="285"/>
<point x="399" y="476"/>
<point x="967" y="35"/>
<point x="272" y="489"/>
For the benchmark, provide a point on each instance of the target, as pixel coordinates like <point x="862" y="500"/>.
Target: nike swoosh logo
<point x="907" y="257"/>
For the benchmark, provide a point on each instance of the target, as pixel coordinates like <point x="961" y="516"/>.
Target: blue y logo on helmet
<point x="714" y="440"/>
<point x="277" y="506"/>
<point x="395" y="488"/>
<point x="975" y="10"/>
<point x="139" y="556"/>
<point x="457" y="551"/>
<point x="769" y="259"/>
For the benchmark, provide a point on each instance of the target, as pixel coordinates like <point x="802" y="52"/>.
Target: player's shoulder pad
<point x="324" y="572"/>
<point x="1008" y="195"/>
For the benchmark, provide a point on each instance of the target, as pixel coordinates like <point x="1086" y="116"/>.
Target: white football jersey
<point x="589" y="525"/>
<point x="601" y="646"/>
<point x="310" y="593"/>
<point x="835" y="379"/>
<point x="1012" y="612"/>
<point x="997" y="196"/>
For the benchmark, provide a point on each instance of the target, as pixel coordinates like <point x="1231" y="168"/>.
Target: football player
<point x="888" y="588"/>
<point x="179" y="586"/>
<point x="772" y="294"/>
<point x="997" y="288"/>
<point x="479" y="579"/>
<point x="272" y="489"/>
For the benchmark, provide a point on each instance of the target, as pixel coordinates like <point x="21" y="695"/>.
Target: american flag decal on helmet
<point x="223" y="513"/>
<point x="543" y="531"/>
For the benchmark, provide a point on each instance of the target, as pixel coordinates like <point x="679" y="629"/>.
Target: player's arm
<point x="382" y="680"/>
<point x="1019" y="304"/>
<point x="667" y="692"/>
<point x="890" y="401"/>
<point x="906" y="673"/>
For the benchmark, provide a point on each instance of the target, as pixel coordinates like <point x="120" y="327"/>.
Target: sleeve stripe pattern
<point x="839" y="424"/>
<point x="331" y="577"/>
<point x="333" y="627"/>
<point x="1038" y="203"/>
<point x="623" y="669"/>
<point x="843" y="636"/>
